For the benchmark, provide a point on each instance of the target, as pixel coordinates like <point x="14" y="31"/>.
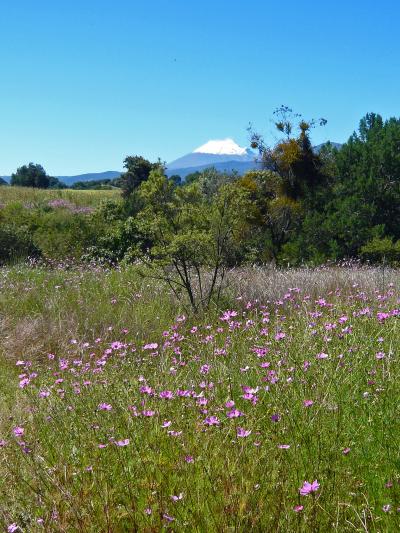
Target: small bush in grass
<point x="16" y="244"/>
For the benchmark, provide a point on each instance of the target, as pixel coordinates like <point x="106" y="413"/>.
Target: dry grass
<point x="270" y="283"/>
<point x="42" y="310"/>
<point x="31" y="337"/>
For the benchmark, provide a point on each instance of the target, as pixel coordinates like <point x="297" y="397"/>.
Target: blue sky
<point x="85" y="83"/>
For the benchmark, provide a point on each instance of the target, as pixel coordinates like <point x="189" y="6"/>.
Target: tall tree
<point x="31" y="175"/>
<point x="366" y="201"/>
<point x="292" y="157"/>
<point x="137" y="171"/>
<point x="289" y="184"/>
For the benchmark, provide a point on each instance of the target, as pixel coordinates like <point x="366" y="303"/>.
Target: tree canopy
<point x="34" y="175"/>
<point x="137" y="171"/>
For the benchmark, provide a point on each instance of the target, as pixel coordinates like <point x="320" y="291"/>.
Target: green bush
<point x="382" y="250"/>
<point x="62" y="234"/>
<point x="16" y="244"/>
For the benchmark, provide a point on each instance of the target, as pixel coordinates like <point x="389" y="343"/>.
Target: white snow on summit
<point x="221" y="147"/>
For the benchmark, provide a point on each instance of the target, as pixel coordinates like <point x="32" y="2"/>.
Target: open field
<point x="38" y="197"/>
<point x="120" y="413"/>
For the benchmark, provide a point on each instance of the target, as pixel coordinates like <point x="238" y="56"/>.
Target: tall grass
<point x="128" y="416"/>
<point x="37" y="197"/>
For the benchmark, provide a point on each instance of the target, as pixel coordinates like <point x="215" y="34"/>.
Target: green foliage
<point x="106" y="184"/>
<point x="62" y="235"/>
<point x="345" y="197"/>
<point x="176" y="179"/>
<point x="194" y="176"/>
<point x="292" y="158"/>
<point x="53" y="228"/>
<point x="55" y="183"/>
<point x="16" y="244"/>
<point x="183" y="231"/>
<point x="137" y="171"/>
<point x="382" y="250"/>
<point x="361" y="199"/>
<point x="32" y="175"/>
<point x="302" y="207"/>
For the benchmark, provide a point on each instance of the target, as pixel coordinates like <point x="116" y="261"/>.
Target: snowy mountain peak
<point x="221" y="147"/>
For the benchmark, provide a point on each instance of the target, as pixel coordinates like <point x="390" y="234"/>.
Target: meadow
<point x="34" y="197"/>
<point x="121" y="411"/>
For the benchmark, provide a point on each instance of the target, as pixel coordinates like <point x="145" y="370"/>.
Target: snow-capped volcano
<point x="223" y="147"/>
<point x="224" y="155"/>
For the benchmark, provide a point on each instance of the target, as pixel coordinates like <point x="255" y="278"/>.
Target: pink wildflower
<point x="166" y="394"/>
<point x="24" y="382"/>
<point x="104" y="407"/>
<point x="205" y="369"/>
<point x="124" y="442"/>
<point x="18" y="431"/>
<point x="308" y="488"/>
<point x="151" y="346"/>
<point x="235" y="413"/>
<point x="146" y="389"/>
<point x="243" y="432"/>
<point x="211" y="421"/>
<point x="228" y="315"/>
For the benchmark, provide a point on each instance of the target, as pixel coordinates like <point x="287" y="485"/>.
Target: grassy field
<point x="38" y="197"/>
<point x="120" y="413"/>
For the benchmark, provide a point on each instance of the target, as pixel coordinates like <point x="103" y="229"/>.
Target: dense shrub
<point x="382" y="250"/>
<point x="16" y="243"/>
<point x="62" y="235"/>
<point x="57" y="229"/>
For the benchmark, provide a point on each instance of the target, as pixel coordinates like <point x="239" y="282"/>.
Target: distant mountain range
<point x="224" y="155"/>
<point x="107" y="175"/>
<point x="317" y="148"/>
<point x="93" y="176"/>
